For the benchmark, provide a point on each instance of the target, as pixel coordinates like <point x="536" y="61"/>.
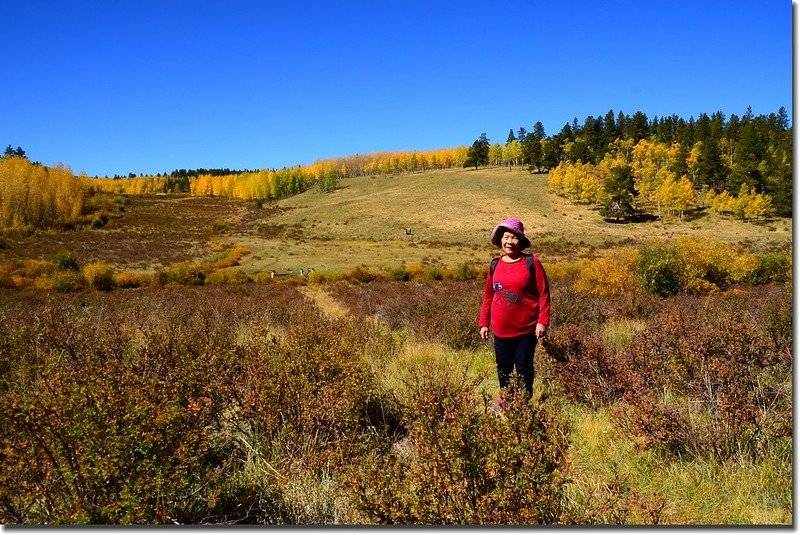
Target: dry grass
<point x="324" y="302"/>
<point x="608" y="470"/>
<point x="152" y="231"/>
<point x="451" y="214"/>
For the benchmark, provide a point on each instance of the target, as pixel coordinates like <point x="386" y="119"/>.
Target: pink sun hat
<point x="513" y="225"/>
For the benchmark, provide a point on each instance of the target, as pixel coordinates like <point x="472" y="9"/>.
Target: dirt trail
<point x="324" y="302"/>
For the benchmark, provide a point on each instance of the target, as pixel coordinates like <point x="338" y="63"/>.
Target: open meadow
<point x="156" y="373"/>
<point x="450" y="214"/>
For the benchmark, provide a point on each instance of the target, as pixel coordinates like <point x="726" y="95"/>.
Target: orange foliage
<point x="711" y="264"/>
<point x="610" y="275"/>
<point x="278" y="184"/>
<point x="33" y="195"/>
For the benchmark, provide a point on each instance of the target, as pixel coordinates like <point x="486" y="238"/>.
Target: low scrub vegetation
<point x="695" y="265"/>
<point x="245" y="403"/>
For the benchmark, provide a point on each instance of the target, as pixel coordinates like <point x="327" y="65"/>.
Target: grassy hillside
<point x="451" y="214"/>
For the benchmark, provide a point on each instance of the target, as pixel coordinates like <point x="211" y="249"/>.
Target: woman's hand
<point x="484" y="333"/>
<point x="541" y="330"/>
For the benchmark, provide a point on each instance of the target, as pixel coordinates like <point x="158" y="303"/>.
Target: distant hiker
<point x="409" y="232"/>
<point x="302" y="273"/>
<point x="516" y="304"/>
<point x="272" y="274"/>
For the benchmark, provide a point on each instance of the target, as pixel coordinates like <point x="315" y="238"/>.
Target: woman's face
<point x="510" y="244"/>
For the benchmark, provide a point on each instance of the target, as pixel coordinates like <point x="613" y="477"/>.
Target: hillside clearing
<point x="449" y="215"/>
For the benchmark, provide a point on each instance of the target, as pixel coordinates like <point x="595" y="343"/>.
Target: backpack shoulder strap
<point x="529" y="259"/>
<point x="531" y="265"/>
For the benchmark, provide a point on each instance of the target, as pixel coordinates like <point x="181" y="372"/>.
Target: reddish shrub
<point x="461" y="466"/>
<point x="725" y="358"/>
<point x="439" y="311"/>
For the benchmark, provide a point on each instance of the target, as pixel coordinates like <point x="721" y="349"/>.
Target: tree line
<point x="621" y="162"/>
<point x="271" y="184"/>
<point x="714" y="151"/>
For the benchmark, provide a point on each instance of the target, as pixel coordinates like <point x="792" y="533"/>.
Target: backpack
<point x="528" y="260"/>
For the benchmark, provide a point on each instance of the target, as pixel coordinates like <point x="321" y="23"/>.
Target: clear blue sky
<point x="150" y="86"/>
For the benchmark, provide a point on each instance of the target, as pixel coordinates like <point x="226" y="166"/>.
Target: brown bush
<point x="443" y="311"/>
<point x="99" y="275"/>
<point x="313" y="383"/>
<point x="459" y="465"/>
<point x="586" y="370"/>
<point x="726" y="360"/>
<point x="111" y="425"/>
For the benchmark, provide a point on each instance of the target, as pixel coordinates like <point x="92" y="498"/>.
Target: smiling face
<point x="509" y="243"/>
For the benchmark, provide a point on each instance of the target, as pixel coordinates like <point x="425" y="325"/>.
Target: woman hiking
<point x="516" y="304"/>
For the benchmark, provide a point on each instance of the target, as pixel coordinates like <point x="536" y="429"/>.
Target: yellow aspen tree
<point x="36" y="190"/>
<point x="512" y="153"/>
<point x="644" y="170"/>
<point x="244" y="183"/>
<point x="693" y="160"/>
<point x="617" y="156"/>
<point x="495" y="154"/>
<point x="403" y="161"/>
<point x="602" y="175"/>
<point x="201" y="186"/>
<point x="238" y="188"/>
<point x="572" y="180"/>
<point x="37" y="196"/>
<point x="708" y="195"/>
<point x="422" y="161"/>
<point x="650" y="163"/>
<point x="568" y="188"/>
<point x="745" y="197"/>
<point x="6" y="192"/>
<point x="460" y="156"/>
<point x="723" y="203"/>
<point x="385" y="166"/>
<point x="759" y="207"/>
<point x="673" y="153"/>
<point x="67" y="193"/>
<point x="592" y="189"/>
<point x="685" y="195"/>
<point x="664" y="195"/>
<point x="370" y="168"/>
<point x="555" y="181"/>
<point x="261" y="184"/>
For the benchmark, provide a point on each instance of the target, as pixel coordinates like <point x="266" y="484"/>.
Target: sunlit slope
<point x="449" y="215"/>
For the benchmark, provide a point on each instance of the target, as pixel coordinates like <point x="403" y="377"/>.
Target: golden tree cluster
<point x="32" y="195"/>
<point x="747" y="205"/>
<point x="128" y="186"/>
<point x="700" y="265"/>
<point x="509" y="154"/>
<point x="278" y="184"/>
<point x="650" y="163"/>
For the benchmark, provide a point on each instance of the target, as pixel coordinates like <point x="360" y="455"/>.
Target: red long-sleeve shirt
<point x="513" y="301"/>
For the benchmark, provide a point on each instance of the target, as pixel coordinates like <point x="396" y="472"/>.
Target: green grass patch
<point x="642" y="488"/>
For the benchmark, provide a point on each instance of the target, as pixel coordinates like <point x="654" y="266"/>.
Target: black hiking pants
<point x="512" y="353"/>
